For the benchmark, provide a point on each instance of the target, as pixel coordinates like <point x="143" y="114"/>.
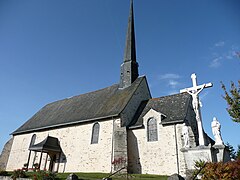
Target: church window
<point x="95" y="133"/>
<point x="152" y="134"/>
<point x="32" y="140"/>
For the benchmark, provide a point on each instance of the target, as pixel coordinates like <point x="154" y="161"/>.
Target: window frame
<point x="33" y="139"/>
<point x="95" y="133"/>
<point x="152" y="129"/>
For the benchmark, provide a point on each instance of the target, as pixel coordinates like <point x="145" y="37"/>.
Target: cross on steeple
<point x="194" y="91"/>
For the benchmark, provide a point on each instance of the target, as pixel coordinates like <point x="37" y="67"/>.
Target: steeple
<point x="129" y="68"/>
<point x="130" y="49"/>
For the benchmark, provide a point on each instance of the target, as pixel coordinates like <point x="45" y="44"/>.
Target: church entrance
<point x="51" y="150"/>
<point x="52" y="162"/>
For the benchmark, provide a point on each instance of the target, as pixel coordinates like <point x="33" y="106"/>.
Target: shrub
<point x="220" y="170"/>
<point x="3" y="172"/>
<point x="19" y="173"/>
<point x="43" y="175"/>
<point x="198" y="168"/>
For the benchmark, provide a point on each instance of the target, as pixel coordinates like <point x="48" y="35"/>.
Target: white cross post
<point x="194" y="91"/>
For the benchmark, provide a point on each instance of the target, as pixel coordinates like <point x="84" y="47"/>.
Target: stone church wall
<point x="79" y="155"/>
<point x="119" y="147"/>
<point x="156" y="157"/>
<point x="142" y="93"/>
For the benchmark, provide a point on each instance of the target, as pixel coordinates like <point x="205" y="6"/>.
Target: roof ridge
<point x="156" y="98"/>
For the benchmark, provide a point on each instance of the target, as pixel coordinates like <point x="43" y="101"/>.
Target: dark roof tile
<point x="174" y="107"/>
<point x="99" y="104"/>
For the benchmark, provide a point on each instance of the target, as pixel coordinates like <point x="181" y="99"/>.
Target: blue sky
<point x="51" y="50"/>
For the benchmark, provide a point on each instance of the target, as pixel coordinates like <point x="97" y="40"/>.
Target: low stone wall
<point x="9" y="178"/>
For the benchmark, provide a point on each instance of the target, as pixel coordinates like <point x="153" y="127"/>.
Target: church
<point x="120" y="127"/>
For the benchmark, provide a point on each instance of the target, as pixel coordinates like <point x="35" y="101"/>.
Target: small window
<point x="32" y="140"/>
<point x="95" y="133"/>
<point x="152" y="134"/>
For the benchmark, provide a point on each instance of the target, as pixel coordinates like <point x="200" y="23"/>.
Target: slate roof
<point x="104" y="103"/>
<point x="174" y="107"/>
<point x="49" y="144"/>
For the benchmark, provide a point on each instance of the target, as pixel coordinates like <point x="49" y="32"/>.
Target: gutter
<point x="113" y="121"/>
<point x="62" y="124"/>
<point x="136" y="127"/>
<point x="175" y="131"/>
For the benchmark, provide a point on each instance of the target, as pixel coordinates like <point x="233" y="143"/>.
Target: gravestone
<point x="72" y="177"/>
<point x="175" y="177"/>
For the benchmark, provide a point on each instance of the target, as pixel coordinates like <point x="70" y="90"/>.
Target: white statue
<point x="216" y="126"/>
<point x="195" y="101"/>
<point x="185" y="135"/>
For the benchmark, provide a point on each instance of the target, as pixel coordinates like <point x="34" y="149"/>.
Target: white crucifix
<point x="194" y="91"/>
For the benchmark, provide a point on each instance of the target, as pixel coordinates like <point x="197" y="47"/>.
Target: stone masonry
<point x="5" y="154"/>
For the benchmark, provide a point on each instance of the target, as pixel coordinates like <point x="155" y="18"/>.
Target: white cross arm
<point x="208" y="85"/>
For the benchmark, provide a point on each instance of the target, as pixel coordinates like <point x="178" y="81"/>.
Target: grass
<point x="92" y="176"/>
<point x="100" y="176"/>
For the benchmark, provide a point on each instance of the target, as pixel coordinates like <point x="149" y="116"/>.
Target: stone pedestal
<point x="205" y="153"/>
<point x="222" y="153"/>
<point x="216" y="153"/>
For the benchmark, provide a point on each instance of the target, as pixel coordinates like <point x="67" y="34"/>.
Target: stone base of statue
<point x="210" y="153"/>
<point x="221" y="152"/>
<point x="215" y="153"/>
<point x="204" y="153"/>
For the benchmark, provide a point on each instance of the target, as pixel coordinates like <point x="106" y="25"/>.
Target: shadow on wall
<point x="134" y="164"/>
<point x="63" y="159"/>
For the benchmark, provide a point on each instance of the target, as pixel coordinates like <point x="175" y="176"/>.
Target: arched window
<point x="95" y="133"/>
<point x="152" y="134"/>
<point x="32" y="140"/>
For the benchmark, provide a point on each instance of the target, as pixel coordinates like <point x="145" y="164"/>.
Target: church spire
<point x="129" y="68"/>
<point x="130" y="49"/>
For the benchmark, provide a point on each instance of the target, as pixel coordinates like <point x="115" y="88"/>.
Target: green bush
<point x="3" y="172"/>
<point x="18" y="173"/>
<point x="199" y="168"/>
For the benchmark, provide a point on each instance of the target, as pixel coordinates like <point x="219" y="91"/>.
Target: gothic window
<point x="32" y="140"/>
<point x="152" y="134"/>
<point x="95" y="133"/>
